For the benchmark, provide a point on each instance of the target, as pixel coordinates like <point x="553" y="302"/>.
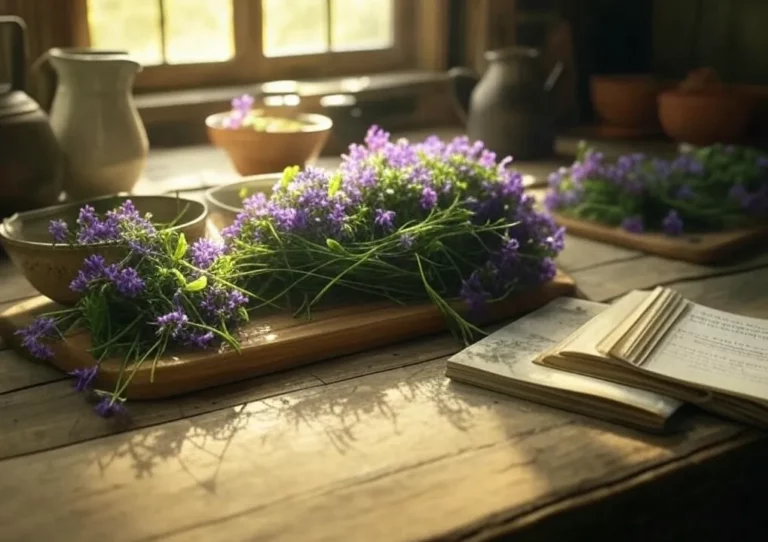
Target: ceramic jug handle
<point x="554" y="76"/>
<point x="44" y="81"/>
<point x="18" y="52"/>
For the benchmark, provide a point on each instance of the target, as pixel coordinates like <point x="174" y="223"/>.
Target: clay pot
<point x="627" y="101"/>
<point x="705" y="117"/>
<point x="254" y="152"/>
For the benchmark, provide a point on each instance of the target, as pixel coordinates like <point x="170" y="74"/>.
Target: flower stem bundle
<point x="439" y="222"/>
<point x="714" y="188"/>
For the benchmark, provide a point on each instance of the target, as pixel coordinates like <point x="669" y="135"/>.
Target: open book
<point x="664" y="343"/>
<point x="503" y="362"/>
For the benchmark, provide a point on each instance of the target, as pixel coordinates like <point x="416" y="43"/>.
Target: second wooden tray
<point x="273" y="343"/>
<point x="705" y="248"/>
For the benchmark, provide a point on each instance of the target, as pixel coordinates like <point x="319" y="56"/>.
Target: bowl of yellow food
<point x="263" y="141"/>
<point x="225" y="202"/>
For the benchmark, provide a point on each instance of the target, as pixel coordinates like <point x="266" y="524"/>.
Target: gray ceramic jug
<point x="511" y="107"/>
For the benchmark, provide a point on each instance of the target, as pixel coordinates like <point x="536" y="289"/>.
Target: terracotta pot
<point x="627" y="101"/>
<point x="253" y="152"/>
<point x="705" y="117"/>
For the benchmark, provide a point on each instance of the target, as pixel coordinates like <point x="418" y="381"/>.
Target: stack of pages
<point x="634" y="362"/>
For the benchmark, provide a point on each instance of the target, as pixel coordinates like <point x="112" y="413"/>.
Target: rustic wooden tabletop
<point x="373" y="446"/>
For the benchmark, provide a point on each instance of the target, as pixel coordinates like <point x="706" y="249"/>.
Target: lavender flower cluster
<point x="384" y="193"/>
<point x="161" y="293"/>
<point x="407" y="222"/>
<point x="711" y="188"/>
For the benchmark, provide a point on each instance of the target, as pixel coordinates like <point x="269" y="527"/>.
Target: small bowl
<point x="51" y="268"/>
<point x="253" y="152"/>
<point x="225" y="202"/>
<point x="705" y="117"/>
<point x="628" y="101"/>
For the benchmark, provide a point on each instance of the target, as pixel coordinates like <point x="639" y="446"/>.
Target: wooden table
<point x="377" y="446"/>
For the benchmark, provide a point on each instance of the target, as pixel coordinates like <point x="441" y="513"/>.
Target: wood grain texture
<point x="399" y="455"/>
<point x="17" y="373"/>
<point x="13" y="285"/>
<point x="377" y="445"/>
<point x="49" y="416"/>
<point x="580" y="253"/>
<point x="608" y="281"/>
<point x="708" y="248"/>
<point x="271" y="344"/>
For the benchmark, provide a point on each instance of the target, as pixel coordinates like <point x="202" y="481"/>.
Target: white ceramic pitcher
<point x="96" y="121"/>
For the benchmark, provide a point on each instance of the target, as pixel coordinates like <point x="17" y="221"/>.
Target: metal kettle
<point x="31" y="162"/>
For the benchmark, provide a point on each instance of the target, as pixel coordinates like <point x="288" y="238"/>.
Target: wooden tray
<point x="707" y="248"/>
<point x="273" y="343"/>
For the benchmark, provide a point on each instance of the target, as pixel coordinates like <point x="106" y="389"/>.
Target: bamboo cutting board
<point x="705" y="248"/>
<point x="272" y="343"/>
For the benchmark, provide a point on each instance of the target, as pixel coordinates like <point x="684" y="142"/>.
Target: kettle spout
<point x="463" y="82"/>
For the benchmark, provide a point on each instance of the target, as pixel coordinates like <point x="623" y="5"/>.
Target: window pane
<point x="198" y="31"/>
<point x="294" y="27"/>
<point x="361" y="24"/>
<point x="133" y="26"/>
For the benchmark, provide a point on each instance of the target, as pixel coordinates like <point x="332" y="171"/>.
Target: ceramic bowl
<point x="254" y="152"/>
<point x="704" y="118"/>
<point x="628" y="101"/>
<point x="50" y="268"/>
<point x="225" y="202"/>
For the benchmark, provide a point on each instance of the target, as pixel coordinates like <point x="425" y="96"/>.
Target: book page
<point x="509" y="353"/>
<point x="585" y="342"/>
<point x="716" y="350"/>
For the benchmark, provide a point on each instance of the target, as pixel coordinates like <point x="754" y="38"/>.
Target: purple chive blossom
<point x="243" y="103"/>
<point x="547" y="270"/>
<point x="509" y="251"/>
<point x="385" y="219"/>
<point x="672" y="223"/>
<point x="552" y="200"/>
<point x="555" y="242"/>
<point x="221" y="304"/>
<point x="139" y="247"/>
<point x="241" y="108"/>
<point x="204" y="252"/>
<point x="762" y="162"/>
<point x="84" y="377"/>
<point x="172" y="322"/>
<point x="688" y="164"/>
<point x="93" y="269"/>
<point x="33" y="335"/>
<point x="108" y="407"/>
<point x="59" y="231"/>
<point x="197" y="339"/>
<point x="633" y="224"/>
<point x="428" y="198"/>
<point x="406" y="241"/>
<point x="127" y="281"/>
<point x="473" y="294"/>
<point x="91" y="229"/>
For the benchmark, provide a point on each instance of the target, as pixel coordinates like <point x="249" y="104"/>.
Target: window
<point x="187" y="43"/>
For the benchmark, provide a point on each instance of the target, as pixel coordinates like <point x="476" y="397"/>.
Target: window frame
<point x="249" y="65"/>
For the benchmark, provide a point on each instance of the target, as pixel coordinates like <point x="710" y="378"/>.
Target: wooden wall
<point x="728" y="35"/>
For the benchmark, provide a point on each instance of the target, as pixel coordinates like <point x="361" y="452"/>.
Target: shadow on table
<point x="353" y="415"/>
